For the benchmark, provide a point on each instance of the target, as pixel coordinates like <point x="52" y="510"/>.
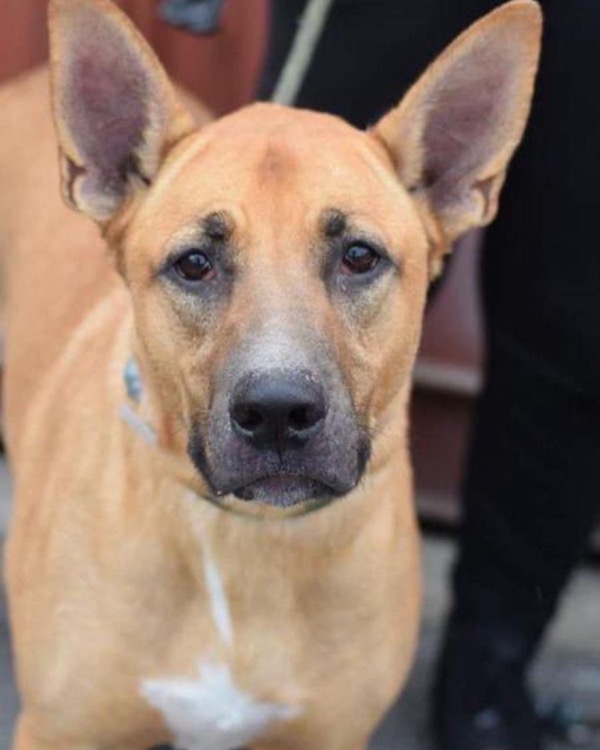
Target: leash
<point x="310" y="30"/>
<point x="204" y="16"/>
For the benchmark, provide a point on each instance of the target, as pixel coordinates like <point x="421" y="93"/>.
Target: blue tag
<point x="198" y="16"/>
<point x="133" y="381"/>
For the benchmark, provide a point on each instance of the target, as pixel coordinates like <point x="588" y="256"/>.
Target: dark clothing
<point x="532" y="488"/>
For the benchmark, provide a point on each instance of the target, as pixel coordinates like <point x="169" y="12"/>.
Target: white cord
<point x="310" y="30"/>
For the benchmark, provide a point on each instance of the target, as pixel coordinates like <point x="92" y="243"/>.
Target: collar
<point x="128" y="411"/>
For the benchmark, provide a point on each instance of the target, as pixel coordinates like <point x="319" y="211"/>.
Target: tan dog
<point x="221" y="551"/>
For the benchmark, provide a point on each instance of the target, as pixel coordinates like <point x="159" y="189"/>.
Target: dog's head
<point x="278" y="260"/>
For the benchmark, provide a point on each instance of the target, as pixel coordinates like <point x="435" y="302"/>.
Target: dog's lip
<point x="278" y="481"/>
<point x="278" y="488"/>
<point x="281" y="480"/>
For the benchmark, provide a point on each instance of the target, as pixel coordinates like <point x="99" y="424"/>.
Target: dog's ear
<point x="115" y="110"/>
<point x="453" y="134"/>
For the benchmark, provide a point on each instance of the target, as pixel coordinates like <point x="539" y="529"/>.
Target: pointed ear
<point x="115" y="111"/>
<point x="455" y="131"/>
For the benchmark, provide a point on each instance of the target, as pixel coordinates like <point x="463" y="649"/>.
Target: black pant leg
<point x="532" y="487"/>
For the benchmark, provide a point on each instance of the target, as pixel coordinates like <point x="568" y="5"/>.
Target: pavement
<point x="568" y="667"/>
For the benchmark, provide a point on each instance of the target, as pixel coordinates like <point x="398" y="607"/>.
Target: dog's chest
<point x="209" y="711"/>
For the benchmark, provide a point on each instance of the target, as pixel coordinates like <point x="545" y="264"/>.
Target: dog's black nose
<point x="278" y="410"/>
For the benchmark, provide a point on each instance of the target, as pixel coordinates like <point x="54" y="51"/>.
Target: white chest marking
<point x="218" y="597"/>
<point x="211" y="713"/>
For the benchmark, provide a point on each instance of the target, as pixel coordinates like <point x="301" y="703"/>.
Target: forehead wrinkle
<point x="276" y="191"/>
<point x="277" y="161"/>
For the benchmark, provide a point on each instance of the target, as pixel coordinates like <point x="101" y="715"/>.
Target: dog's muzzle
<point x="281" y="438"/>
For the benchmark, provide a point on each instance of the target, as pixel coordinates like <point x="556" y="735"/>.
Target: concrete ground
<point x="568" y="668"/>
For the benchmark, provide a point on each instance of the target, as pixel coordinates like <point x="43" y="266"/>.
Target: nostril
<point x="303" y="418"/>
<point x="247" y="418"/>
<point x="298" y="418"/>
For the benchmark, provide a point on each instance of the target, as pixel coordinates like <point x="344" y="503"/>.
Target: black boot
<point x="480" y="698"/>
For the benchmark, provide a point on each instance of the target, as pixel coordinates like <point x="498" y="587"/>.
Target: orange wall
<point x="221" y="69"/>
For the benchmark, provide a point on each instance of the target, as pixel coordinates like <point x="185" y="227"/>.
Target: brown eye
<point x="359" y="259"/>
<point x="195" y="266"/>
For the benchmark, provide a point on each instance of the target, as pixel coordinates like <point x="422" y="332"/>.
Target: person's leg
<point x="531" y="499"/>
<point x="531" y="491"/>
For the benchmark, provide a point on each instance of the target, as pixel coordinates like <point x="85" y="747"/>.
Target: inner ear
<point x="106" y="97"/>
<point x="471" y="110"/>
<point x="114" y="108"/>
<point x="454" y="133"/>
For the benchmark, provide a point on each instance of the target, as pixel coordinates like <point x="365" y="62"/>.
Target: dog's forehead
<point x="266" y="153"/>
<point x="267" y="138"/>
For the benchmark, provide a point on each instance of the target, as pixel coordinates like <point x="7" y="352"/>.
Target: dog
<point x="206" y="387"/>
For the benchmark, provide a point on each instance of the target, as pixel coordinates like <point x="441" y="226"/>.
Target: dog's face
<point x="278" y="274"/>
<point x="278" y="260"/>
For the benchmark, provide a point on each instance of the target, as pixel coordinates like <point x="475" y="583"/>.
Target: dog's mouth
<point x="286" y="490"/>
<point x="277" y="484"/>
<point x="239" y="476"/>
